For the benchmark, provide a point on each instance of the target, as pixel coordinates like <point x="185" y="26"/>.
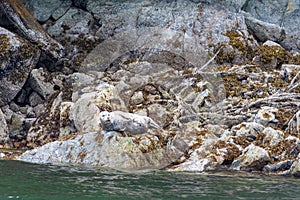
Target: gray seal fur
<point x="127" y="122"/>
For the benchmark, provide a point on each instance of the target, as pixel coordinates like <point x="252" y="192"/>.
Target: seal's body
<point x="127" y="122"/>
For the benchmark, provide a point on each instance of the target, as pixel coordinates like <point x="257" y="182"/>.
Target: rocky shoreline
<point x="221" y="79"/>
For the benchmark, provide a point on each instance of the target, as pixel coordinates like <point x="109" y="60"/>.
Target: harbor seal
<point x="126" y="122"/>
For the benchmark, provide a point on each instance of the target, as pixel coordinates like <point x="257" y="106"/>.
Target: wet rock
<point x="277" y="167"/>
<point x="195" y="165"/>
<point x="16" y="14"/>
<point x="252" y="158"/>
<point x="18" y="59"/>
<point x="43" y="10"/>
<point x="98" y="150"/>
<point x="3" y="130"/>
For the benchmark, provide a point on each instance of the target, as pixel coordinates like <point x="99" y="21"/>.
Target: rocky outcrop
<point x="18" y="58"/>
<point x="125" y="153"/>
<point x="253" y="157"/>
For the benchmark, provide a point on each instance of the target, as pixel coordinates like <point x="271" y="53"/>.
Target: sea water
<point x="19" y="180"/>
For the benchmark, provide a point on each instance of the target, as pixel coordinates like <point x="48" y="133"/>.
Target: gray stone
<point x="80" y="4"/>
<point x="265" y="31"/>
<point x="271" y="43"/>
<point x="67" y="127"/>
<point x="294" y="124"/>
<point x="280" y="166"/>
<point x="14" y="107"/>
<point x="72" y="24"/>
<point x="30" y="112"/>
<point x="18" y="58"/>
<point x="44" y="9"/>
<point x="252" y="158"/>
<point x="85" y="112"/>
<point x="268" y="10"/>
<point x="266" y="116"/>
<point x="3" y="130"/>
<point x="181" y="16"/>
<point x="295" y="169"/>
<point x="107" y="151"/>
<point x="41" y="82"/>
<point x="250" y="130"/>
<point x="234" y="5"/>
<point x="35" y="99"/>
<point x="16" y="14"/>
<point x="15" y="126"/>
<point x="279" y="17"/>
<point x="8" y="113"/>
<point x="47" y="126"/>
<point x="272" y="136"/>
<point x="21" y="98"/>
<point x="137" y="98"/>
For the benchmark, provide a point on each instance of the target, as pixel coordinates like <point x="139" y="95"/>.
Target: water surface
<point x="19" y="180"/>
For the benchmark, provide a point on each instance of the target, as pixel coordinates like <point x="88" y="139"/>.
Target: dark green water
<point x="20" y="180"/>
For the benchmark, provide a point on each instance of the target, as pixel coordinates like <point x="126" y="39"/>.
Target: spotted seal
<point x="128" y="122"/>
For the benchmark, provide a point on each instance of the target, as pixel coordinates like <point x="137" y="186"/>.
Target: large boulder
<point x="43" y="83"/>
<point x="109" y="150"/>
<point x="85" y="112"/>
<point x="18" y="58"/>
<point x="252" y="158"/>
<point x="280" y="16"/>
<point x="42" y="10"/>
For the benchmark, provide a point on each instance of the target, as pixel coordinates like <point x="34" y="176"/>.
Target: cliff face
<point x="221" y="79"/>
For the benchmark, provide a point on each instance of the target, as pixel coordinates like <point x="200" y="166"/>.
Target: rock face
<point x="16" y="15"/>
<point x="280" y="16"/>
<point x="43" y="10"/>
<point x="18" y="58"/>
<point x="223" y="98"/>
